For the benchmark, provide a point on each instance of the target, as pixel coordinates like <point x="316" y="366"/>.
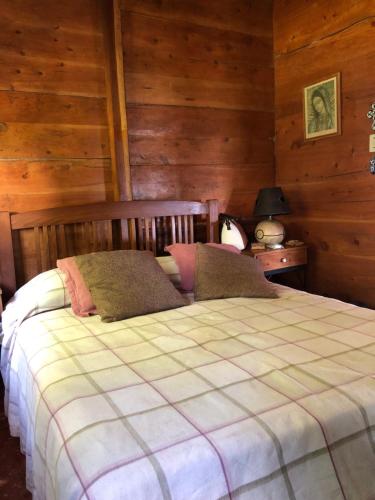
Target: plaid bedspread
<point x="240" y="398"/>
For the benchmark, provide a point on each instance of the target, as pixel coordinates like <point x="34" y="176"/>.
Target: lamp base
<point x="270" y="232"/>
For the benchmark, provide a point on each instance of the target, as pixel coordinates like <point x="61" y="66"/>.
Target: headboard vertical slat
<point x="86" y="234"/>
<point x="173" y="229"/>
<point x="147" y="233"/>
<point x="37" y="249"/>
<point x="212" y="225"/>
<point x="140" y="234"/>
<point x="53" y="244"/>
<point x="124" y="229"/>
<point x="96" y="239"/>
<point x="179" y="228"/>
<point x="109" y="235"/>
<point x="79" y="237"/>
<point x="101" y="235"/>
<point x="133" y="233"/>
<point x="186" y="229"/>
<point x="191" y="223"/>
<point x="44" y="249"/>
<point x="153" y="236"/>
<point x="61" y="241"/>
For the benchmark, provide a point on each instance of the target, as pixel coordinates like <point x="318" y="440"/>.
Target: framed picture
<point x="321" y="108"/>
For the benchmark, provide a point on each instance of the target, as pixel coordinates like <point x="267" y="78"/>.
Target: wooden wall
<point x="199" y="82"/>
<point x="199" y="88"/>
<point x="53" y="120"/>
<point x="327" y="182"/>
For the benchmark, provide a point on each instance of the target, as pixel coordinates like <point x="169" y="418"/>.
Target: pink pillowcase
<point x="80" y="295"/>
<point x="185" y="254"/>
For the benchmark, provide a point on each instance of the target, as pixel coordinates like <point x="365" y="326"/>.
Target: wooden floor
<point x="12" y="462"/>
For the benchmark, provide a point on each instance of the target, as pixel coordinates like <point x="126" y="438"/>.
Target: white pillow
<point x="170" y="267"/>
<point x="43" y="293"/>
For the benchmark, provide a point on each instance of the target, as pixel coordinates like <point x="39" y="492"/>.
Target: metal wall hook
<point x="371" y="115"/>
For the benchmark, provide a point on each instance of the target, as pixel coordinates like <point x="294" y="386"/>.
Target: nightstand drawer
<point x="280" y="259"/>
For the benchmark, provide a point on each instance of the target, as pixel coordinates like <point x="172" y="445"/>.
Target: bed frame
<point x="30" y="242"/>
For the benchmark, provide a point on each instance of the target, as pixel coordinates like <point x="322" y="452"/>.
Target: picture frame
<point x="322" y="108"/>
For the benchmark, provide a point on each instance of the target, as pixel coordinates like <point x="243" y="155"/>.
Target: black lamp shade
<point x="271" y="201"/>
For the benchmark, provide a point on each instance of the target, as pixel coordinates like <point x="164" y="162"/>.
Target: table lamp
<point x="270" y="201"/>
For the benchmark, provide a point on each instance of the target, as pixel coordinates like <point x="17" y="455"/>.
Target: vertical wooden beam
<point x="7" y="268"/>
<point x="116" y="99"/>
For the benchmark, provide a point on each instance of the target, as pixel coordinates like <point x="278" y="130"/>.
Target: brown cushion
<point x="126" y="283"/>
<point x="221" y="275"/>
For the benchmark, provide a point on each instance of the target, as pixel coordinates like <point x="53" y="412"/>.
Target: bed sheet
<point x="236" y="398"/>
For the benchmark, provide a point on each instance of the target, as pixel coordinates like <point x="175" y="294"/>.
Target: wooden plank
<point x="301" y="24"/>
<point x="70" y="15"/>
<point x="177" y="63"/>
<point x="34" y="184"/>
<point x="181" y="48"/>
<point x="253" y="18"/>
<point x="236" y="186"/>
<point x="51" y="47"/>
<point x="349" y="189"/>
<point x="53" y="141"/>
<point x="26" y="107"/>
<point x="45" y="42"/>
<point x="352" y="237"/>
<point x="163" y="135"/>
<point x="348" y="279"/>
<point x="345" y="48"/>
<point x="33" y="75"/>
<point x="179" y="91"/>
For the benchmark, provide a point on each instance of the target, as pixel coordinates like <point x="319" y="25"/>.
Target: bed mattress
<point x="237" y="398"/>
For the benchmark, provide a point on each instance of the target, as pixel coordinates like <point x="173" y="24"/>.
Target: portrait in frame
<point x="321" y="108"/>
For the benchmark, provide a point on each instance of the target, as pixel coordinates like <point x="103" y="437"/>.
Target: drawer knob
<point x="283" y="259"/>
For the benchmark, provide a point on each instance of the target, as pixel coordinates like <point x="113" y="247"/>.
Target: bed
<point x="241" y="398"/>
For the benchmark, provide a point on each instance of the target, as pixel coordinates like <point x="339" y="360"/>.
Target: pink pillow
<point x="80" y="295"/>
<point x="185" y="253"/>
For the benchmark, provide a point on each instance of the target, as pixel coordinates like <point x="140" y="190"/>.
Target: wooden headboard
<point x="30" y="242"/>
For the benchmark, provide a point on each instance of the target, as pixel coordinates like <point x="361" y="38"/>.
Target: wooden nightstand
<point x="283" y="260"/>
